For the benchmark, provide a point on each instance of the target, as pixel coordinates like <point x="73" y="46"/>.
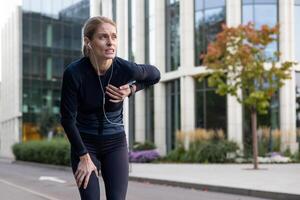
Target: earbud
<point x="89" y="45"/>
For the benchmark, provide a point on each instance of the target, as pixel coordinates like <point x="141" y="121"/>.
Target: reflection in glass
<point x="51" y="40"/>
<point x="209" y="16"/>
<point x="172" y="112"/>
<point x="269" y="120"/>
<point x="131" y="57"/>
<point x="210" y="107"/>
<point x="261" y="12"/>
<point x="172" y="35"/>
<point x="149" y="113"/>
<point x="149" y="58"/>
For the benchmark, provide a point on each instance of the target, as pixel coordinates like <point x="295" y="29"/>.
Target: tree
<point x="237" y="61"/>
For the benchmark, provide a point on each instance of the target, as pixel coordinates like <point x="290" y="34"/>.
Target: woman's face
<point x="104" y="42"/>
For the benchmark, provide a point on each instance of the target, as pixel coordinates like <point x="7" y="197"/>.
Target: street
<point x="19" y="181"/>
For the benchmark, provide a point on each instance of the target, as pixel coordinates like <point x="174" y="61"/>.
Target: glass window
<point x="172" y="112"/>
<point x="149" y="113"/>
<point x="209" y="16"/>
<point x="255" y="11"/>
<point x="209" y="4"/>
<point x="131" y="57"/>
<point x="211" y="108"/>
<point x="51" y="41"/>
<point x="114" y="9"/>
<point x="131" y="114"/>
<point x="172" y="35"/>
<point x="149" y="58"/>
<point x="131" y="30"/>
<point x="269" y="120"/>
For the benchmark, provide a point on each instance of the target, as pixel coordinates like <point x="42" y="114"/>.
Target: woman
<point x="93" y="91"/>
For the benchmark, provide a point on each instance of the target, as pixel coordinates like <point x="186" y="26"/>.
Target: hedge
<point x="56" y="151"/>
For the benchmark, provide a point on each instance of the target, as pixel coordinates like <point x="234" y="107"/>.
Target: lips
<point x="110" y="51"/>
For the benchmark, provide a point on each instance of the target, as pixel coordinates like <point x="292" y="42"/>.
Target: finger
<point x="113" y="87"/>
<point x="113" y="92"/>
<point x="119" y="91"/>
<point x="80" y="179"/>
<point x="77" y="174"/>
<point x="124" y="87"/>
<point x="87" y="178"/>
<point x="114" y="96"/>
<point x="78" y="171"/>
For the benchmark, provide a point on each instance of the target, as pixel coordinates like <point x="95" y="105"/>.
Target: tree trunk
<point x="254" y="137"/>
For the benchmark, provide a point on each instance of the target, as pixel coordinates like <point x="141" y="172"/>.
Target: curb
<point x="221" y="189"/>
<point x="203" y="187"/>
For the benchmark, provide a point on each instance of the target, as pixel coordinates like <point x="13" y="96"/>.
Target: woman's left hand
<point x="118" y="94"/>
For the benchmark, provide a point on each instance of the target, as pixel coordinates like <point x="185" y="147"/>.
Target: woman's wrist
<point x="85" y="157"/>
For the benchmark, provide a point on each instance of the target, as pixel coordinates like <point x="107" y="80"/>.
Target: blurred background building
<point x="43" y="36"/>
<point x="38" y="41"/>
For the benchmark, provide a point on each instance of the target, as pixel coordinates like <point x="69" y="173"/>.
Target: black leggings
<point x="111" y="156"/>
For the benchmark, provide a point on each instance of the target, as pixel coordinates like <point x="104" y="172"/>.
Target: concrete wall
<point x="11" y="87"/>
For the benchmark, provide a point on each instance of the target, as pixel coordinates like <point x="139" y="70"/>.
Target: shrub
<point x="176" y="155"/>
<point x="147" y="145"/>
<point x="143" y="156"/>
<point x="56" y="151"/>
<point x="204" y="152"/>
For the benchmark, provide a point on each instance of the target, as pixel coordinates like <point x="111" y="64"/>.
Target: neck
<point x="101" y="65"/>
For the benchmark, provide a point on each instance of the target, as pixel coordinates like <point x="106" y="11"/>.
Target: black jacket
<point x="81" y="96"/>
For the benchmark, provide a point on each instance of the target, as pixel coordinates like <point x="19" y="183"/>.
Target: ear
<point x="86" y="41"/>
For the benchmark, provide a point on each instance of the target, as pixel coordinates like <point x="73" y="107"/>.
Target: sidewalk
<point x="274" y="181"/>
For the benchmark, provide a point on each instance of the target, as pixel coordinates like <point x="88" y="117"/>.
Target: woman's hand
<point x="84" y="170"/>
<point x="118" y="94"/>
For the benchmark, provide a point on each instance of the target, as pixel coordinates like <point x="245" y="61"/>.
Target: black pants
<point x="111" y="157"/>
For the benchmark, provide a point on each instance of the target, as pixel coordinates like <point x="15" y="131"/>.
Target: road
<point x="22" y="181"/>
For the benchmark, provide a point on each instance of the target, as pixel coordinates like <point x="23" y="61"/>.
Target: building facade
<point x="172" y="34"/>
<point x="40" y="39"/>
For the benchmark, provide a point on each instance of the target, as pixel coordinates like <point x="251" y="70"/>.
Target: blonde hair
<point x="90" y="27"/>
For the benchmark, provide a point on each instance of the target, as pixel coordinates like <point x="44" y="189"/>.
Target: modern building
<point x="39" y="39"/>
<point x="170" y="34"/>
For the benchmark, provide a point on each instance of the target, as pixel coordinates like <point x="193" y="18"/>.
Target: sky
<point x="5" y="9"/>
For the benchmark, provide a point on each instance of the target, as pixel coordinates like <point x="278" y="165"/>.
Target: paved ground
<point x="279" y="179"/>
<point x="21" y="181"/>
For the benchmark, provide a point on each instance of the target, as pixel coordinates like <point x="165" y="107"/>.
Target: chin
<point x="109" y="56"/>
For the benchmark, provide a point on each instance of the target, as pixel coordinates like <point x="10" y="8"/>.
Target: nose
<point x="109" y="41"/>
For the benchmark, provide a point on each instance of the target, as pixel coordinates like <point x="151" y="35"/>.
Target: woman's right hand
<point x="84" y="170"/>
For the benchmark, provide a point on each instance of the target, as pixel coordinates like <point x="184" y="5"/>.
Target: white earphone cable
<point x="103" y="104"/>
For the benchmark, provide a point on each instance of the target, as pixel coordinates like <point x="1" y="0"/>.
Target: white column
<point x="94" y="7"/>
<point x="234" y="108"/>
<point x="122" y="26"/>
<point x="11" y="85"/>
<point x="187" y="86"/>
<point x="287" y="92"/>
<point x="139" y="52"/>
<point x="159" y="89"/>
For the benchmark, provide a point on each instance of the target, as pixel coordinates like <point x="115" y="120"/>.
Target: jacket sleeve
<point x="144" y="75"/>
<point x="68" y="111"/>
